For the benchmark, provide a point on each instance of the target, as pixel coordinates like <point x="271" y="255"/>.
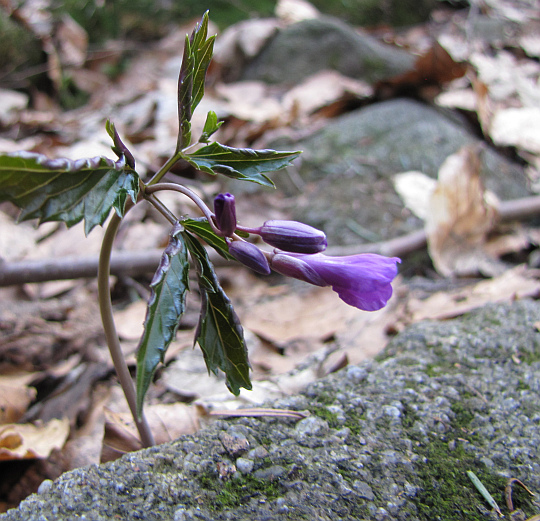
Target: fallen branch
<point x="132" y="263"/>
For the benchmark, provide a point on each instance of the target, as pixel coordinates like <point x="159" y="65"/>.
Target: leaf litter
<point x="52" y="350"/>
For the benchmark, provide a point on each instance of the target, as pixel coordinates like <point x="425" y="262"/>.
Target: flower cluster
<point x="363" y="281"/>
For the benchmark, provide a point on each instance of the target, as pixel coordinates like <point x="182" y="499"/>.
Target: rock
<point x="374" y="12"/>
<point x="347" y="168"/>
<point x="309" y="46"/>
<point x="467" y="393"/>
<point x="20" y="49"/>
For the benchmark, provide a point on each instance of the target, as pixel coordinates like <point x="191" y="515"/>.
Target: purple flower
<point x="293" y="236"/>
<point x="362" y="281"/>
<point x="250" y="255"/>
<point x="225" y="213"/>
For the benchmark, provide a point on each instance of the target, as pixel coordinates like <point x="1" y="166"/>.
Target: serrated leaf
<point x="211" y="126"/>
<point x="65" y="190"/>
<point x="202" y="49"/>
<point x="240" y="163"/>
<point x="119" y="148"/>
<point x="203" y="230"/>
<point x="166" y="306"/>
<point x="219" y="333"/>
<point x="185" y="91"/>
<point x="203" y="57"/>
<point x="198" y="52"/>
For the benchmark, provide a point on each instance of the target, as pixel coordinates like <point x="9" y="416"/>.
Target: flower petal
<point x="365" y="300"/>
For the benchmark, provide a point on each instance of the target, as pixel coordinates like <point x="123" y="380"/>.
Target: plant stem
<point x="165" y="168"/>
<point x="105" y="306"/>
<point x="189" y="193"/>
<point x="161" y="208"/>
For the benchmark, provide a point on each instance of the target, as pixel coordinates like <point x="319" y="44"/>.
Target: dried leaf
<point x="323" y="89"/>
<point x="518" y="127"/>
<point x="435" y="67"/>
<point x="72" y="42"/>
<point x="460" y="217"/>
<point x="416" y="190"/>
<point x="167" y="422"/>
<point x="293" y="11"/>
<point x="312" y="315"/>
<point x="27" y="441"/>
<point x="14" y="400"/>
<point x="516" y="283"/>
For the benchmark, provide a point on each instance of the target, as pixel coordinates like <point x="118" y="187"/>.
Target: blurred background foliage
<point x="148" y="19"/>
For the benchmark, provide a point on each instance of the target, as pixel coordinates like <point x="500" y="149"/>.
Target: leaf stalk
<point x="165" y="168"/>
<point x="189" y="193"/>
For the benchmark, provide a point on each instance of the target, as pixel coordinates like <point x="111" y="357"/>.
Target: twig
<point x="140" y="262"/>
<point x="508" y="492"/>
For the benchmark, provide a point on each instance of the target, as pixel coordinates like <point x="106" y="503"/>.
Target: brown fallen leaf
<point x="316" y="313"/>
<point x="460" y="216"/>
<point x="518" y="127"/>
<point x="433" y="68"/>
<point x="14" y="400"/>
<point x="515" y="283"/>
<point x="28" y="441"/>
<point x="167" y="422"/>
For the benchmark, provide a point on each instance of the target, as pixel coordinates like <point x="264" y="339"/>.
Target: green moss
<point x="354" y="422"/>
<point x="322" y="412"/>
<point x="523" y="386"/>
<point x="464" y="416"/>
<point x="234" y="492"/>
<point x="446" y="491"/>
<point x="407" y="361"/>
<point x="408" y="417"/>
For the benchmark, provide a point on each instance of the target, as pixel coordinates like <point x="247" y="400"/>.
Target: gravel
<point x="391" y="439"/>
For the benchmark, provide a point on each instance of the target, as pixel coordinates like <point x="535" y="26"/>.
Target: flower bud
<point x="225" y="212"/>
<point x="293" y="236"/>
<point x="250" y="255"/>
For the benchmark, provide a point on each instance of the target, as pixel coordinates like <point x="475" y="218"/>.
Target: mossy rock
<point x="20" y="49"/>
<point x="388" y="439"/>
<point x="347" y="168"/>
<point x="309" y="46"/>
<point x="374" y="12"/>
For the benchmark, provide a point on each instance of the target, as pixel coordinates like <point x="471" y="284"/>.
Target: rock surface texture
<point x="389" y="439"/>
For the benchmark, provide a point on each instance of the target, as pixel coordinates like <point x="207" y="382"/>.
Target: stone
<point x="478" y="370"/>
<point x="363" y="490"/>
<point x="244" y="465"/>
<point x="347" y="169"/>
<point x="304" y="48"/>
<point x="374" y="12"/>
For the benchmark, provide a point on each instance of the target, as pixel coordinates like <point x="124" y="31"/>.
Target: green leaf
<point x="203" y="230"/>
<point x="65" y="190"/>
<point x="118" y="145"/>
<point x="198" y="52"/>
<point x="203" y="50"/>
<point x="219" y="333"/>
<point x="185" y="92"/>
<point x="211" y="126"/>
<point x="240" y="163"/>
<point x="166" y="306"/>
